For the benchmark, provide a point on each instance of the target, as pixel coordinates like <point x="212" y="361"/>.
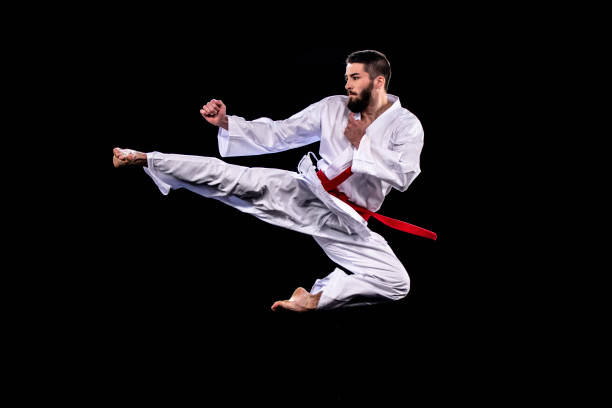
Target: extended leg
<point x="272" y="195"/>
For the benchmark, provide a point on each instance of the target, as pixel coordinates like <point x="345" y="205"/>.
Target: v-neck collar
<point x="386" y="114"/>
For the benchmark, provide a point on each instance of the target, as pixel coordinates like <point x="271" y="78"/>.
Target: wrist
<point x="224" y="123"/>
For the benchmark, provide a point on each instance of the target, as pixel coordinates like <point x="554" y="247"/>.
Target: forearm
<point x="263" y="136"/>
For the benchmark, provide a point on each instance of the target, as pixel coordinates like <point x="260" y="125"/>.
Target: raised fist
<point x="215" y="113"/>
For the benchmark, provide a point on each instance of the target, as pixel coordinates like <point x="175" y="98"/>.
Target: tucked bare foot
<point x="128" y="157"/>
<point x="300" y="301"/>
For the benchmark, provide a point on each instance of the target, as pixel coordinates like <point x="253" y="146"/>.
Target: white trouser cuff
<point x="331" y="286"/>
<point x="152" y="172"/>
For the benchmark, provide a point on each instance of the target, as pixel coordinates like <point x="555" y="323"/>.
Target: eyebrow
<point x="352" y="75"/>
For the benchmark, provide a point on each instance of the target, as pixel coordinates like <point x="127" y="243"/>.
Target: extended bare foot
<point x="300" y="301"/>
<point x="128" y="157"/>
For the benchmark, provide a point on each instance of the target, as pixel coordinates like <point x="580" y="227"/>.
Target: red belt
<point x="331" y="187"/>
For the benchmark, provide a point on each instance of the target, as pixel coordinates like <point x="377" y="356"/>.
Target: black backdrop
<point x="171" y="293"/>
<point x="126" y="295"/>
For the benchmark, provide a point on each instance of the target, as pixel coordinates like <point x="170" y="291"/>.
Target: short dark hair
<point x="375" y="64"/>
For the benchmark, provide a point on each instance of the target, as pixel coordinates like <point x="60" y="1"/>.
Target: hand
<point x="355" y="129"/>
<point x="215" y="113"/>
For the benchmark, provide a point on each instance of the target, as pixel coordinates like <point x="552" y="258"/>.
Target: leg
<point x="377" y="273"/>
<point x="272" y="195"/>
<point x="378" y="276"/>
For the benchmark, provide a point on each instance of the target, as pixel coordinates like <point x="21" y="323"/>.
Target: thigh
<point x="276" y="196"/>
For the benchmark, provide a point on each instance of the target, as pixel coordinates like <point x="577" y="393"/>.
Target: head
<point x="367" y="73"/>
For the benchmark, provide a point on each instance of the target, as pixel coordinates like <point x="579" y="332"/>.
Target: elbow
<point x="407" y="179"/>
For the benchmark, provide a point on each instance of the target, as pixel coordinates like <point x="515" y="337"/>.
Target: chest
<point x="333" y="126"/>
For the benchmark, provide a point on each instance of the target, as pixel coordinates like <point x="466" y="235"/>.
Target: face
<point x="358" y="86"/>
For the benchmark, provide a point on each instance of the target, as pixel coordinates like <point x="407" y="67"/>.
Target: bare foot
<point x="300" y="301"/>
<point x="128" y="157"/>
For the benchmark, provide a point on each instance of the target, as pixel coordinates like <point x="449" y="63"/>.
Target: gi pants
<point x="296" y="201"/>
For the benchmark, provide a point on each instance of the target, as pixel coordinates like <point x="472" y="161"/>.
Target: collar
<point x="384" y="118"/>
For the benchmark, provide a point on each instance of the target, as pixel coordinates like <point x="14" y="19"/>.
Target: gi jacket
<point x="388" y="155"/>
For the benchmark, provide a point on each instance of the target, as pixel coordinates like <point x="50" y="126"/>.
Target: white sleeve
<point x="264" y="135"/>
<point x="398" y="164"/>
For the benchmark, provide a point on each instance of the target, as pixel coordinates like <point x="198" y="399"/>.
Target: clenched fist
<point x="355" y="129"/>
<point x="215" y="113"/>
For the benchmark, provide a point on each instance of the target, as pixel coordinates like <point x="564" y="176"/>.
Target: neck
<point x="377" y="106"/>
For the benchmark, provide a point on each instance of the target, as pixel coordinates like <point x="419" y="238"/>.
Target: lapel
<point x="382" y="121"/>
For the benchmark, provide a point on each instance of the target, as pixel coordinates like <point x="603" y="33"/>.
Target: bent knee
<point x="401" y="286"/>
<point x="398" y="287"/>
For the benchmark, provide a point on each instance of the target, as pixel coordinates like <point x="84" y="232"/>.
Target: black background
<point x="168" y="297"/>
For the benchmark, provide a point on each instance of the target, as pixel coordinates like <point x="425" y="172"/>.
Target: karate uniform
<point x="387" y="157"/>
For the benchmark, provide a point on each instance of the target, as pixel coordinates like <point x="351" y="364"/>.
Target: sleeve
<point x="263" y="135"/>
<point x="398" y="163"/>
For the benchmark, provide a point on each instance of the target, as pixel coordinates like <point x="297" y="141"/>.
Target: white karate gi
<point x="388" y="156"/>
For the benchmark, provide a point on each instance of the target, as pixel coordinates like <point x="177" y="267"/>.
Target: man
<point x="369" y="144"/>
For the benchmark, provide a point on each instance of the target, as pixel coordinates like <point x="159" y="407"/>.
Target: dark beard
<point x="362" y="101"/>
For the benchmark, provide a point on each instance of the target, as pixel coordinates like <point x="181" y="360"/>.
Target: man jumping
<point x="368" y="145"/>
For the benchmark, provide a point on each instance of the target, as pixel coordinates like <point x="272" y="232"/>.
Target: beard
<point x="361" y="101"/>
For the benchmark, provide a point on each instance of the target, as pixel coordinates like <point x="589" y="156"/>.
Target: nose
<point x="348" y="86"/>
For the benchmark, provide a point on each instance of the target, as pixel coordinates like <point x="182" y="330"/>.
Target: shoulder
<point x="405" y="123"/>
<point x="404" y="116"/>
<point x="331" y="105"/>
<point x="335" y="101"/>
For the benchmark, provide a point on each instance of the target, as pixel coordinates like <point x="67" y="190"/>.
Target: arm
<point x="239" y="137"/>
<point x="396" y="164"/>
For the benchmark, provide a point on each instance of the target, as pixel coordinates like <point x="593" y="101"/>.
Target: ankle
<point x="313" y="300"/>
<point x="140" y="159"/>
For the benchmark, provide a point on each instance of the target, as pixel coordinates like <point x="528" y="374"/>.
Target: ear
<point x="379" y="82"/>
